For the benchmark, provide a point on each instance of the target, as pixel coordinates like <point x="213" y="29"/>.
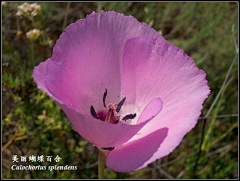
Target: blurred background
<point x="33" y="123"/>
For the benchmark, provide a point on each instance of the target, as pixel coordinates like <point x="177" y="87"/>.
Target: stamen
<point x="109" y="148"/>
<point x="119" y="105"/>
<point x="104" y="97"/>
<point x="93" y="112"/>
<point x="129" y="116"/>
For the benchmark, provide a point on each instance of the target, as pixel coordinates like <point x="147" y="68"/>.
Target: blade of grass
<point x="65" y="17"/>
<point x="223" y="135"/>
<point x="220" y="116"/>
<point x="214" y="102"/>
<point x="212" y="122"/>
<point x="99" y="7"/>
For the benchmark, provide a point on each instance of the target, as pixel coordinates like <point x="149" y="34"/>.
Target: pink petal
<point x="39" y="76"/>
<point x="151" y="110"/>
<point x="39" y="73"/>
<point x="104" y="134"/>
<point x="153" y="68"/>
<point x="137" y="154"/>
<point x="87" y="58"/>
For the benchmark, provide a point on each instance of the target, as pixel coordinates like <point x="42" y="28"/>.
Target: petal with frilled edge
<point x="39" y="73"/>
<point x="154" y="68"/>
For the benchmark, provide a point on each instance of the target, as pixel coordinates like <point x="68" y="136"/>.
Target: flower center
<point x="111" y="114"/>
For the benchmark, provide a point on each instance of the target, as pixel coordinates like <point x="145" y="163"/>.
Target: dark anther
<point x="104" y="97"/>
<point x="119" y="105"/>
<point x="109" y="148"/>
<point x="93" y="112"/>
<point x="129" y="116"/>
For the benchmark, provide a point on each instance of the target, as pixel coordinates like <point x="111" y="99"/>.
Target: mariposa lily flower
<point x="124" y="88"/>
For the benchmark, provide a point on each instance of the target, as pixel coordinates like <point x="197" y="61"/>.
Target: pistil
<point x="110" y="118"/>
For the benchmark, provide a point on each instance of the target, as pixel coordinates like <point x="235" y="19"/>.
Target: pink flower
<point x="124" y="88"/>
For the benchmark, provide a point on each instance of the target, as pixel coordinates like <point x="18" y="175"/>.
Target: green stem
<point x="65" y="17"/>
<point x="101" y="165"/>
<point x="32" y="53"/>
<point x="99" y="7"/>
